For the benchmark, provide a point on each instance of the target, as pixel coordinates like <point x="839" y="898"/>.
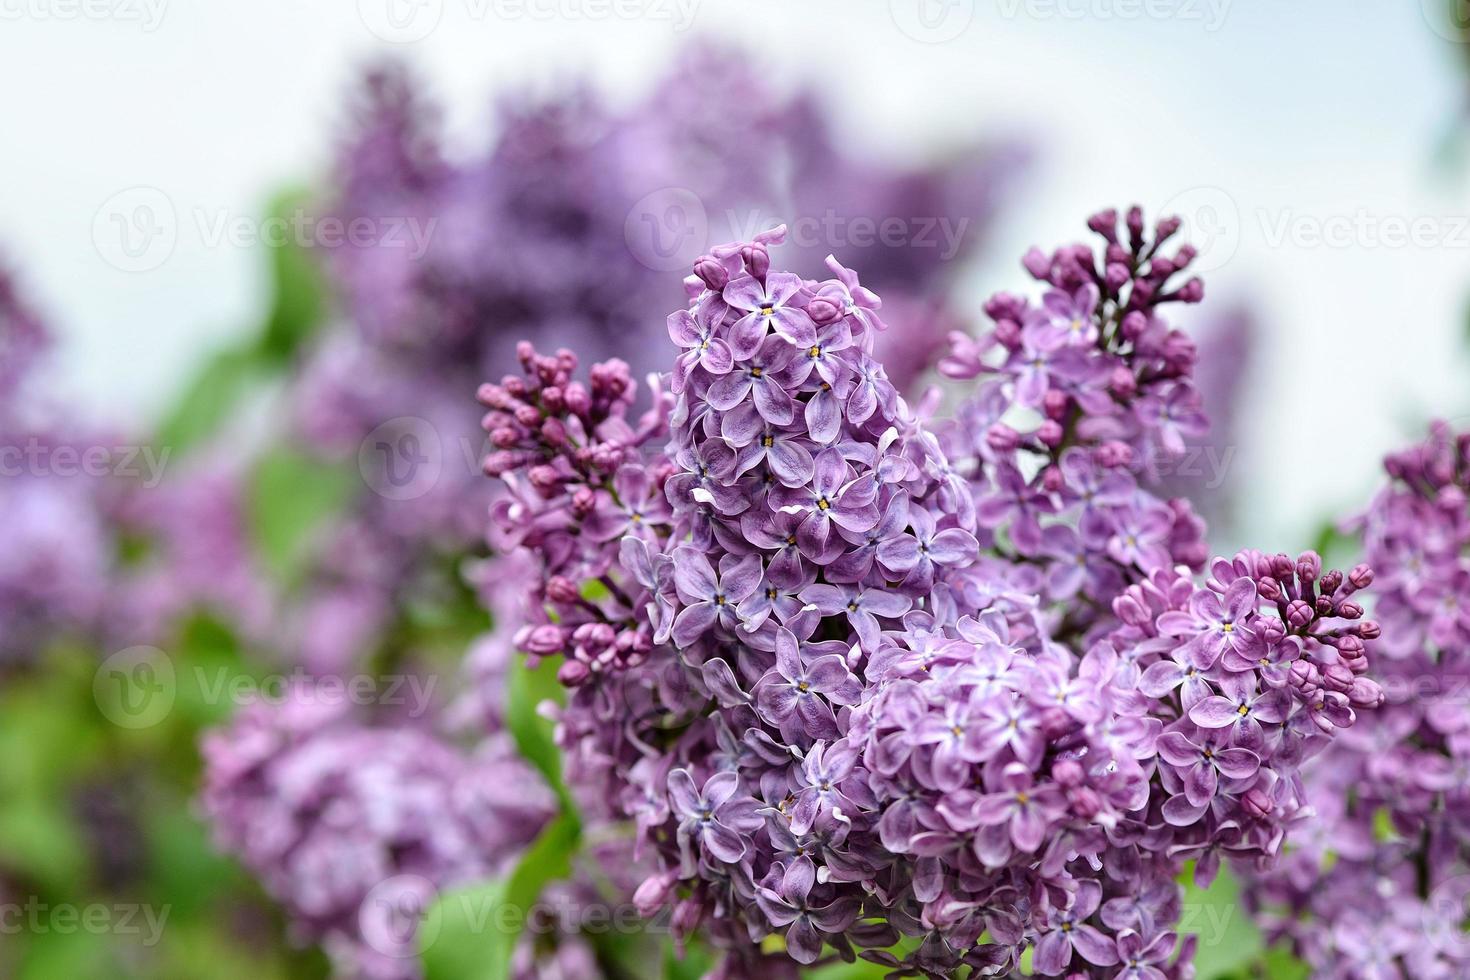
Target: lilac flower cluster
<point x="1391" y="826"/>
<point x="57" y="563"/>
<point x="520" y="240"/>
<point x="354" y="829"/>
<point x="1082" y="395"/>
<point x="941" y="692"/>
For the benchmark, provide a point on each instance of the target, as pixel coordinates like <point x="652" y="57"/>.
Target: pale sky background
<point x="1257" y="116"/>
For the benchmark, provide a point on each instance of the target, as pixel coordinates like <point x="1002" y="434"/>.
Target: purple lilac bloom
<point x="1392" y="795"/>
<point x="899" y="731"/>
<point x="346" y="825"/>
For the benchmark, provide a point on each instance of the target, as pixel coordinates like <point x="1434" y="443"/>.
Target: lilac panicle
<point x="885" y="676"/>
<point x="1392" y="796"/>
<point x="346" y="825"/>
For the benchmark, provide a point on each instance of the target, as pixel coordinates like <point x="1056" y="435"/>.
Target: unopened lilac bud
<point x="1114" y="454"/>
<point x="1299" y="614"/>
<point x="528" y="415"/>
<point x="1037" y="263"/>
<point x="505" y="437"/>
<point x="1257" y="803"/>
<point x="1282" y="567"/>
<point x="543" y="478"/>
<point x="823" y="311"/>
<point x="1350" y="646"/>
<point x="1085" y="802"/>
<point x="554" y="432"/>
<point x="1338" y="678"/>
<point x="712" y="272"/>
<point x="1270" y="630"/>
<point x="1053" y="480"/>
<point x="1303" y="674"/>
<point x="1067" y="772"/>
<point x="1268" y="589"/>
<point x="578" y="402"/>
<point x="584" y="502"/>
<point x="544" y="639"/>
<point x="1330" y="582"/>
<point x="1115" y="276"/>
<point x="687" y="915"/>
<point x="1105" y="223"/>
<point x="1323" y="606"/>
<point x="1133" y="325"/>
<point x="1350" y="610"/>
<point x="1193" y="291"/>
<point x="1308" y="566"/>
<point x="654" y="893"/>
<point x="1369" y="629"/>
<point x="561" y="589"/>
<point x="1008" y="334"/>
<point x="573" y="673"/>
<point x="1366" y="693"/>
<point x="1051" y="433"/>
<point x="1122" y="382"/>
<point x="1002" y="438"/>
<point x="757" y="260"/>
<point x="1054" y="403"/>
<point x="1361" y="576"/>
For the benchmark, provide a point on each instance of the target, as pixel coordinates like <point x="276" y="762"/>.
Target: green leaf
<point x="291" y="497"/>
<point x="1228" y="940"/>
<point x="697" y="961"/>
<point x="299" y="291"/>
<point x="209" y="399"/>
<point x="471" y="933"/>
<point x="528" y="687"/>
<point x="1281" y="965"/>
<point x="861" y="970"/>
